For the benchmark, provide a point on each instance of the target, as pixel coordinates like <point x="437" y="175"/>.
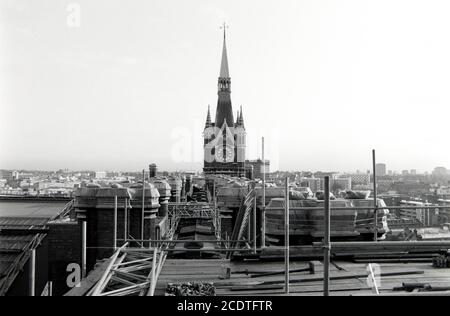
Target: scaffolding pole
<point x="125" y="219"/>
<point x="286" y="237"/>
<point x="143" y="205"/>
<point x="326" y="240"/>
<point x="32" y="271"/>
<point x="83" y="248"/>
<point x="254" y="220"/>
<point x="115" y="224"/>
<point x="375" y="203"/>
<point x="263" y="200"/>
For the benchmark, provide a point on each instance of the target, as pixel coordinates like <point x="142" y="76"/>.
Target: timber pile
<point x="190" y="289"/>
<point x="346" y="278"/>
<point x="267" y="278"/>
<point x="406" y="252"/>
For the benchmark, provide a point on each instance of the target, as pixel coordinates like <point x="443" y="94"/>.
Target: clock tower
<point x="224" y="139"/>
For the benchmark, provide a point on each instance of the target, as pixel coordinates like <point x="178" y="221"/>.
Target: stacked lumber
<point x="346" y="278"/>
<point x="355" y="251"/>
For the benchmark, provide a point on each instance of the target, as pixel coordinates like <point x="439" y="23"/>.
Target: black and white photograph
<point x="224" y="154"/>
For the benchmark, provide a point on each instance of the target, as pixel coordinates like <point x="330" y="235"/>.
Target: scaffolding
<point x="131" y="271"/>
<point x="193" y="210"/>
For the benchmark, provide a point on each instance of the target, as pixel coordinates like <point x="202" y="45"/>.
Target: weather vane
<point x="224" y="27"/>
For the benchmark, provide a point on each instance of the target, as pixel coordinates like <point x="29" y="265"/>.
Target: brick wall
<point x="64" y="248"/>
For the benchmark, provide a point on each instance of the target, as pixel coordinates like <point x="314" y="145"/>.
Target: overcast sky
<point x="324" y="81"/>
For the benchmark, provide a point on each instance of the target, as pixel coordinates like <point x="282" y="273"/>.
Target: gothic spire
<point x="224" y="72"/>
<point x="241" y="118"/>
<point x="208" y="118"/>
<point x="224" y="112"/>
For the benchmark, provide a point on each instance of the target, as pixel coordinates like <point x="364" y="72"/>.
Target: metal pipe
<point x="106" y="274"/>
<point x="254" y="221"/>
<point x="374" y="280"/>
<point x="286" y="237"/>
<point x="362" y="208"/>
<point x="338" y="244"/>
<point x="32" y="271"/>
<point x="145" y="250"/>
<point x="263" y="200"/>
<point x="326" y="240"/>
<point x="249" y="227"/>
<point x="391" y="244"/>
<point x="153" y="274"/>
<point x="186" y="240"/>
<point x="83" y="248"/>
<point x="115" y="224"/>
<point x="143" y="204"/>
<point x="125" y="219"/>
<point x="215" y="205"/>
<point x="375" y="200"/>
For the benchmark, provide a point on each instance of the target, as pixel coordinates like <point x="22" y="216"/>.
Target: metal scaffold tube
<point x="375" y="198"/>
<point x="286" y="236"/>
<point x="326" y="241"/>
<point x="263" y="199"/>
<point x="143" y="206"/>
<point x="254" y="220"/>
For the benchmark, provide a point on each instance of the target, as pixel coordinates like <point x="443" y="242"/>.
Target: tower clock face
<point x="219" y="154"/>
<point x="224" y="154"/>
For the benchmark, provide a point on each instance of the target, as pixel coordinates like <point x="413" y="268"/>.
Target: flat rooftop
<point x="30" y="209"/>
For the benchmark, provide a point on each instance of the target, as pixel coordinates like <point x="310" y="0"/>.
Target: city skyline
<point x="323" y="82"/>
<point x="389" y="172"/>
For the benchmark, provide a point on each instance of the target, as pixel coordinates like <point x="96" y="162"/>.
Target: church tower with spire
<point x="224" y="139"/>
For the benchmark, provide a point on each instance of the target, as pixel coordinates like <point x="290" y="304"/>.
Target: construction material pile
<point x="442" y="261"/>
<point x="190" y="289"/>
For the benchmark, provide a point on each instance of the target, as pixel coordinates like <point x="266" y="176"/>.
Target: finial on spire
<point x="224" y="27"/>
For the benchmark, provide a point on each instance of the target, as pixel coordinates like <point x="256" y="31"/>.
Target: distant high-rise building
<point x="7" y="175"/>
<point x="390" y="172"/>
<point x="380" y="168"/>
<point x="224" y="139"/>
<point x="152" y="170"/>
<point x="405" y="172"/>
<point x="15" y="175"/>
<point x="413" y="172"/>
<point x="440" y="171"/>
